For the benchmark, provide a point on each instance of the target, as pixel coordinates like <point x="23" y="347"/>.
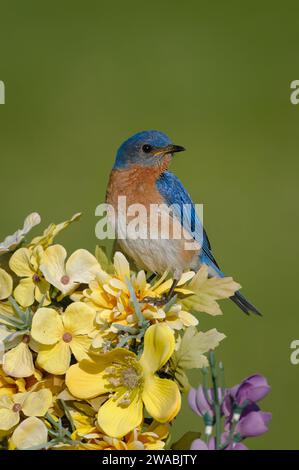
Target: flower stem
<point x="68" y="415"/>
<point x="216" y="403"/>
<point x="135" y="303"/>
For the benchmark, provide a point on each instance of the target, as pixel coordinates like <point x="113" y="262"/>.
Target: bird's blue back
<point x="174" y="194"/>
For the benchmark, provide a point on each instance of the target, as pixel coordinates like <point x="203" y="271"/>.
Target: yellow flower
<point x="51" y="232"/>
<point x="109" y="295"/>
<point x="5" y="284"/>
<point x="175" y="317"/>
<point x="30" y="403"/>
<point x="25" y="264"/>
<point x="12" y="241"/>
<point x="32" y="432"/>
<point x="80" y="268"/>
<point x="151" y="439"/>
<point x="131" y="382"/>
<point x="60" y="335"/>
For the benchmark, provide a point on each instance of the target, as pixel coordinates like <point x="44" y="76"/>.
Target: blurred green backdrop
<point x="82" y="76"/>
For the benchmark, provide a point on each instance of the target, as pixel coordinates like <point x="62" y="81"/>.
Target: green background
<point x="82" y="76"/>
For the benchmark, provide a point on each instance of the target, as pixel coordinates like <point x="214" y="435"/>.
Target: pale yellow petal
<point x="121" y="265"/>
<point x="80" y="346"/>
<point x="24" y="292"/>
<point x="186" y="277"/>
<point x="140" y="281"/>
<point x="47" y="327"/>
<point x="53" y="265"/>
<point x="8" y="419"/>
<point x="19" y="263"/>
<point x="37" y="403"/>
<point x="7" y="401"/>
<point x="32" y="432"/>
<point x="63" y="225"/>
<point x="82" y="266"/>
<point x="55" y="359"/>
<point x="161" y="398"/>
<point x="175" y="323"/>
<point x="78" y="318"/>
<point x="188" y="319"/>
<point x="118" y="284"/>
<point x="159" y="345"/>
<point x="85" y="380"/>
<point x="117" y="420"/>
<point x="31" y="221"/>
<point x="18" y="361"/>
<point x="5" y="284"/>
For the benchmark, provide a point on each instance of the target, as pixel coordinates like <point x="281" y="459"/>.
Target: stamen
<point x="26" y="339"/>
<point x="114" y="381"/>
<point x="65" y="280"/>
<point x="35" y="278"/>
<point x="67" y="337"/>
<point x="16" y="408"/>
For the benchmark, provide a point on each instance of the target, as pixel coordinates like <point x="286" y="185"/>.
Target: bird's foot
<point x="156" y="301"/>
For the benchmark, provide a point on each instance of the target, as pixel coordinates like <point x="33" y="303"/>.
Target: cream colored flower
<point x="66" y="276"/>
<point x="51" y="232"/>
<point x="12" y="241"/>
<point x="61" y="335"/>
<point x="31" y="433"/>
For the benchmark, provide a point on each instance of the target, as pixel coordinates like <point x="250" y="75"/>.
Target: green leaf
<point x="101" y="256"/>
<point x="191" y="353"/>
<point x="184" y="443"/>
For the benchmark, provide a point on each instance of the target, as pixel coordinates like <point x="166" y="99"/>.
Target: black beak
<point x="171" y="148"/>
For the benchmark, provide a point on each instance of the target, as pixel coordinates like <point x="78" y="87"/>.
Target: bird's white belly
<point x="158" y="255"/>
<point x="169" y="249"/>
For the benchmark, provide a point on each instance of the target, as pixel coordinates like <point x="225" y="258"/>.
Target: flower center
<point x="130" y="378"/>
<point x="16" y="408"/>
<point x="125" y="380"/>
<point x="67" y="337"/>
<point x="65" y="280"/>
<point x="26" y="339"/>
<point x="35" y="278"/>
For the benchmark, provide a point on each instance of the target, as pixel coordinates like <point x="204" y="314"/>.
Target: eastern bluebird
<point x="140" y="173"/>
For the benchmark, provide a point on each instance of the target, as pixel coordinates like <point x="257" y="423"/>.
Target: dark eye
<point x="147" y="148"/>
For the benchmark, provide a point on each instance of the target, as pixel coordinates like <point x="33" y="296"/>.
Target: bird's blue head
<point x="147" y="148"/>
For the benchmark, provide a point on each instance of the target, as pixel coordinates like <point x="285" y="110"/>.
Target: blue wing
<point x="174" y="194"/>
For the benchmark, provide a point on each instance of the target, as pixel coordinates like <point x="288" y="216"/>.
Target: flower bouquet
<point x="87" y="363"/>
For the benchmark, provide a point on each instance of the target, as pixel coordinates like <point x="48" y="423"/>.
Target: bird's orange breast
<point x="137" y="183"/>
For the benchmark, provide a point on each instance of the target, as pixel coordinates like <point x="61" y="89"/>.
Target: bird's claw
<point x="156" y="301"/>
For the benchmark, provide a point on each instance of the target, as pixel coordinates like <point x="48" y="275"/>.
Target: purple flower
<point x="236" y="446"/>
<point x="199" y="444"/>
<point x="253" y="389"/>
<point x="253" y="424"/>
<point x="199" y="403"/>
